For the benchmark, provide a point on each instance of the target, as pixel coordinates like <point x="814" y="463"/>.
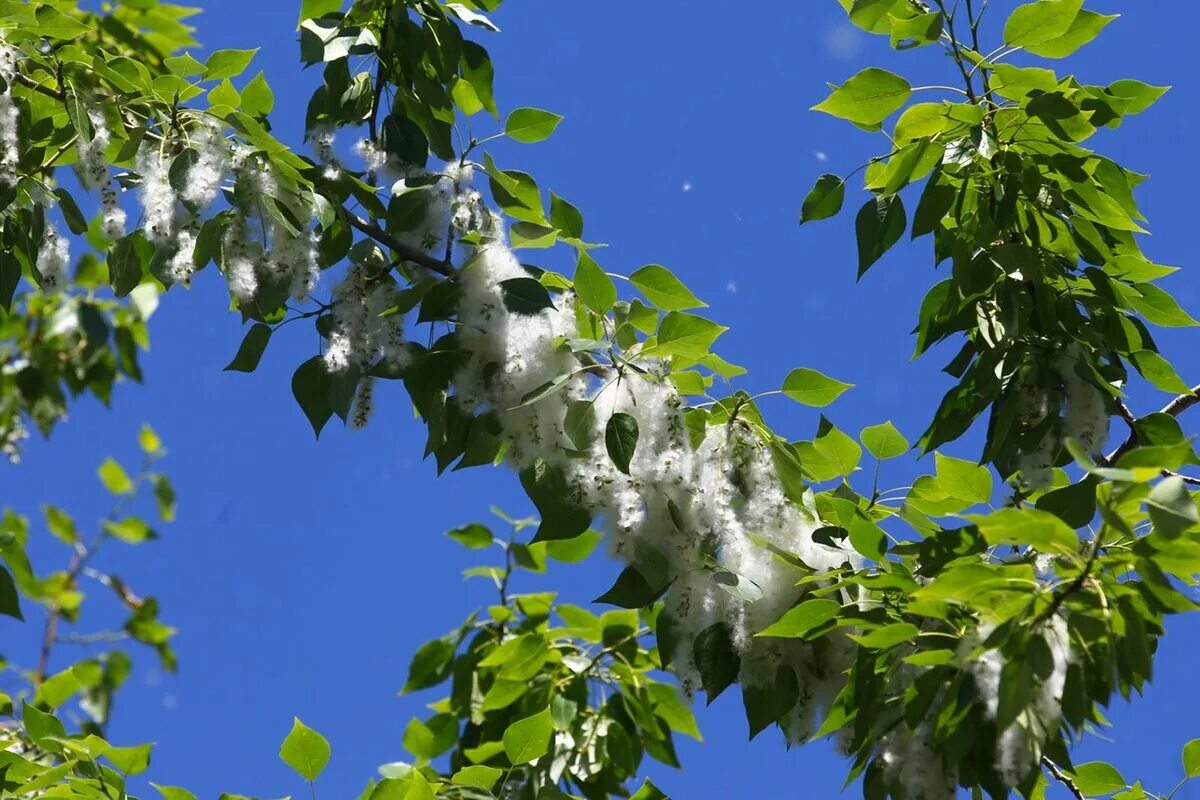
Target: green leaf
<point x="716" y="660"/>
<point x="227" y="64"/>
<point x="251" y="350"/>
<point x="1171" y="507"/>
<point x="965" y="480"/>
<point x="868" y="98"/>
<point x="525" y="296"/>
<point x="1086" y="26"/>
<point x="593" y="286"/>
<point x="1016" y="83"/>
<point x="1159" y="372"/>
<point x="1159" y="307"/>
<point x="173" y="792"/>
<point x="1027" y="526"/>
<point x="811" y="388"/>
<point x="10" y="601"/>
<point x="1074" y="504"/>
<point x="130" y="760"/>
<point x="114" y="477"/>
<point x="1141" y="95"/>
<point x="125" y="263"/>
<point x="74" y="218"/>
<point x="130" y="530"/>
<point x="1040" y="22"/>
<point x="149" y="442"/>
<point x="916" y="31"/>
<point x="1097" y="777"/>
<point x="879" y="225"/>
<point x="310" y="387"/>
<point x="565" y="217"/>
<point x="884" y="441"/>
<point x="621" y="438"/>
<point x="824" y="200"/>
<point x="310" y="9"/>
<point x="804" y="619"/>
<point x="305" y="750"/>
<point x="474" y="536"/>
<point x="672" y="710"/>
<point x="686" y="335"/>
<point x="477" y="777"/>
<point x="528" y="739"/>
<point x="631" y="590"/>
<point x="1191" y="758"/>
<point x="920" y="121"/>
<point x="429" y="739"/>
<point x="60" y="524"/>
<point x="257" y="97"/>
<point x="648" y="792"/>
<point x="663" y="289"/>
<point x="562" y="517"/>
<point x="530" y="125"/>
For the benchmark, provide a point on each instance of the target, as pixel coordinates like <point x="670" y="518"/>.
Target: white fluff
<point x="204" y="176"/>
<point x="156" y="193"/>
<point x="53" y="259"/>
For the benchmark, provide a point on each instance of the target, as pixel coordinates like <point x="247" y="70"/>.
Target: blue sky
<point x="303" y="574"/>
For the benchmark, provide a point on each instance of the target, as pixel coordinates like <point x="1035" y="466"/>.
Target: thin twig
<point x="405" y="251"/>
<point x="1063" y="778"/>
<point x="1174" y="408"/>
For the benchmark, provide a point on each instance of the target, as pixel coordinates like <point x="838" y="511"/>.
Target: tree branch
<point x="40" y="88"/>
<point x="1174" y="408"/>
<point x="1063" y="778"/>
<point x="405" y="251"/>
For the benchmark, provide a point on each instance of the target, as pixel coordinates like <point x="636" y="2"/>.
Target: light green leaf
<point x="227" y="64"/>
<point x="529" y="739"/>
<point x="305" y="750"/>
<point x="1086" y="27"/>
<point x="1191" y="758"/>
<point x="474" y="536"/>
<point x="805" y="618"/>
<point x="257" y="97"/>
<point x="530" y="125"/>
<point x="1159" y="307"/>
<point x="663" y="289"/>
<point x="811" y="388"/>
<point x="1159" y="372"/>
<point x="686" y="335"/>
<point x="1098" y="778"/>
<point x="130" y="760"/>
<point x="1039" y="22"/>
<point x="884" y="441"/>
<point x="965" y="480"/>
<point x="868" y="98"/>
<point x="114" y="477"/>
<point x="1027" y="526"/>
<point x="173" y="792"/>
<point x="477" y="777"/>
<point x="593" y="286"/>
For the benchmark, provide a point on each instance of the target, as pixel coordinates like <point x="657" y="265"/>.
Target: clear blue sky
<point x="303" y="574"/>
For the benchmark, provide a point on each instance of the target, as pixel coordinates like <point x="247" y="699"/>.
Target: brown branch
<point x="1174" y="408"/>
<point x="405" y="251"/>
<point x="40" y="88"/>
<point x="50" y="633"/>
<point x="1063" y="778"/>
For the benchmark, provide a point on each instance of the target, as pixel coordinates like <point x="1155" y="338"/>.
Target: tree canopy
<point x="961" y="632"/>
